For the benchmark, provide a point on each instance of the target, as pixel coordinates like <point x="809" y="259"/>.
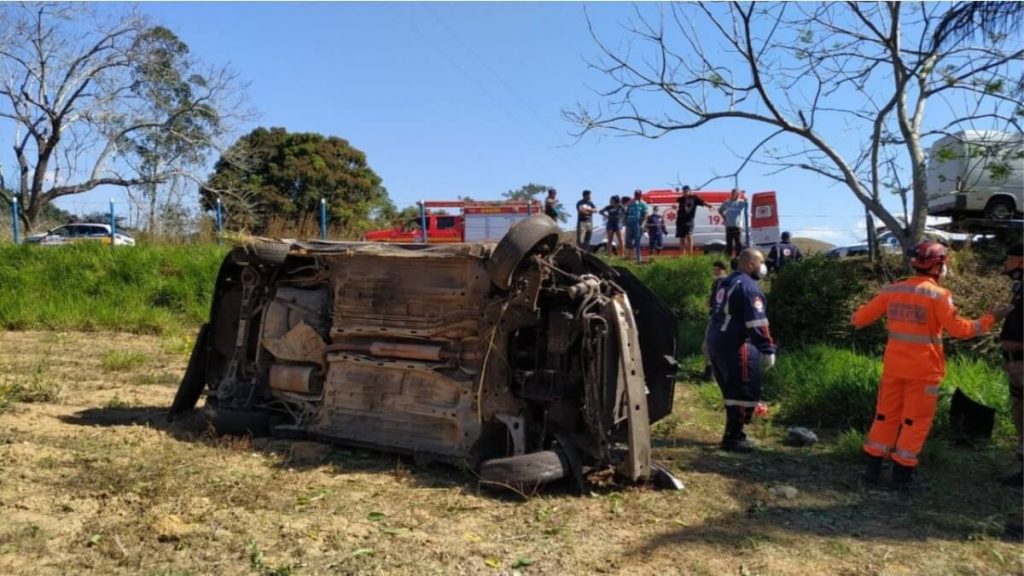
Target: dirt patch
<point x="94" y="480"/>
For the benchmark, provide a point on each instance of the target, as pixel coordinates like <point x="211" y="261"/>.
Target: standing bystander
<point x="614" y="214"/>
<point x="584" y="221"/>
<point x="636" y="219"/>
<point x="732" y="212"/>
<point x="688" y="204"/>
<point x="551" y="204"/>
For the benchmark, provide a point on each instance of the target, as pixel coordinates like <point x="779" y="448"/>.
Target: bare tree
<point x="839" y="89"/>
<point x="99" y="101"/>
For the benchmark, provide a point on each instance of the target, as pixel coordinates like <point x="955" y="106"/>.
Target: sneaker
<point x="742" y="445"/>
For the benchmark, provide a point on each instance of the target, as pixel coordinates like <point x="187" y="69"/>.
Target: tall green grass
<point x="684" y="284"/>
<point x="143" y="289"/>
<point x="825" y="387"/>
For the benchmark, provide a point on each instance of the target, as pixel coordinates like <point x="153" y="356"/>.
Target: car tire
<point x="1000" y="209"/>
<point x="525" y="471"/>
<point x="194" y="380"/>
<point x="262" y="252"/>
<point x="525" y="237"/>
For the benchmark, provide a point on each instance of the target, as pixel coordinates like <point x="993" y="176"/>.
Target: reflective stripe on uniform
<point x="744" y="403"/>
<point x="756" y="323"/>
<point x="877" y="446"/>
<point x="931" y="390"/>
<point x="922" y="290"/>
<point x="728" y="297"/>
<point x="907" y="455"/>
<point x="979" y="328"/>
<point x="915" y="338"/>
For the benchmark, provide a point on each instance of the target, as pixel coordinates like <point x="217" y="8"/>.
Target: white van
<point x="976" y="173"/>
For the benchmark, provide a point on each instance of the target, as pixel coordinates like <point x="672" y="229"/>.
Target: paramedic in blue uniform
<point x="782" y="252"/>
<point x="740" y="345"/>
<point x="656" y="231"/>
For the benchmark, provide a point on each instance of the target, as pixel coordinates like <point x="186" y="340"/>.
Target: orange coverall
<point x="917" y="310"/>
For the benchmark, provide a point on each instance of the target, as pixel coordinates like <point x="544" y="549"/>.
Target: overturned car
<point x="529" y="359"/>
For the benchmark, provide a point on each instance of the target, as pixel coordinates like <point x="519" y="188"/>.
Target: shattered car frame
<point x="530" y="359"/>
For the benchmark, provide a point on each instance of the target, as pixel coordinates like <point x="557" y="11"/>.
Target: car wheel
<point x="194" y="380"/>
<point x="999" y="209"/>
<point x="525" y="471"/>
<point x="525" y="237"/>
<point x="264" y="252"/>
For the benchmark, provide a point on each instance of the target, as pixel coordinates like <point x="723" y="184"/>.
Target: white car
<point x="79" y="232"/>
<point x="888" y="244"/>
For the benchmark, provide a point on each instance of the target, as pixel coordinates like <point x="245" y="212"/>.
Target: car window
<point x="63" y="231"/>
<point x="94" y="231"/>
<point x="445" y="222"/>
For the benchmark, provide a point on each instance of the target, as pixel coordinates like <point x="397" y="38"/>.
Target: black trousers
<point x="732" y="240"/>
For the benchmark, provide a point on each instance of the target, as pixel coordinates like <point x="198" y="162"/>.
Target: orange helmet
<point x="927" y="255"/>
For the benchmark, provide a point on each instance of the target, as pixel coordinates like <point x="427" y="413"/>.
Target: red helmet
<point x="928" y="255"/>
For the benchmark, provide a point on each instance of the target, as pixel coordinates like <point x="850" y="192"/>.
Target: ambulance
<point x="708" y="225"/>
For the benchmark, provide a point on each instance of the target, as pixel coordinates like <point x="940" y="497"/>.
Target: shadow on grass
<point x="954" y="499"/>
<point x="309" y="453"/>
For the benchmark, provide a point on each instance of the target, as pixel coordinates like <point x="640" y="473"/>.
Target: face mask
<point x="943" y="272"/>
<point x="761" y="272"/>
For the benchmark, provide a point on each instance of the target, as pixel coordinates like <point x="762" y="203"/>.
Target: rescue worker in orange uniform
<point x="917" y="310"/>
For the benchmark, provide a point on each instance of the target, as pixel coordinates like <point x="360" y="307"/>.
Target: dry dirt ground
<point x="93" y="480"/>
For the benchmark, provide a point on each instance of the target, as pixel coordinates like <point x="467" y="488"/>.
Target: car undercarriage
<point x="530" y="359"/>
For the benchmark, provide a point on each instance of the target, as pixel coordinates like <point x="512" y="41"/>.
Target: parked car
<point x="889" y="244"/>
<point x="530" y="360"/>
<point x="90" y="232"/>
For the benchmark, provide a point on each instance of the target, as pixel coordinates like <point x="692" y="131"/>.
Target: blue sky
<point x="450" y="99"/>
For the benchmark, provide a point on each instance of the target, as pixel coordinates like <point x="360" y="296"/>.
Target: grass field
<point x="93" y="480"/>
<point x="145" y="289"/>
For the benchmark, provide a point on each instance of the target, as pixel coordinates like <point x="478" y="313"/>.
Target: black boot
<point x="734" y="440"/>
<point x="902" y="477"/>
<point x="873" y="471"/>
<point x="708" y="374"/>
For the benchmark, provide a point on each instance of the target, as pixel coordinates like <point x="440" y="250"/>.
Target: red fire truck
<point x="476" y="221"/>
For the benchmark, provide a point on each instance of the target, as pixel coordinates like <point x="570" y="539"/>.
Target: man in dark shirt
<point x="688" y="204"/>
<point x="1011" y="338"/>
<point x="782" y="252"/>
<point x="584" y="221"/>
<point x="551" y="205"/>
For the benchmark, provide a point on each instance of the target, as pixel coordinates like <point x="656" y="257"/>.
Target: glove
<point x="767" y="361"/>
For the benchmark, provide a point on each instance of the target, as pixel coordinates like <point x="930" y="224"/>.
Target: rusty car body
<point x="529" y="359"/>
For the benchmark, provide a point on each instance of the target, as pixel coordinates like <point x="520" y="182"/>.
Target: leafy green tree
<point x="189" y="123"/>
<point x="273" y="173"/>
